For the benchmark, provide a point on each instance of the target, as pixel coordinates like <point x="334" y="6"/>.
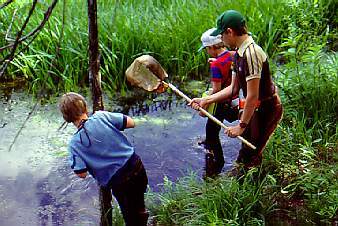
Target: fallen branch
<point x="22" y="126"/>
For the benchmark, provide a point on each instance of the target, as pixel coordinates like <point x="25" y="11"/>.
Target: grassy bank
<point x="297" y="182"/>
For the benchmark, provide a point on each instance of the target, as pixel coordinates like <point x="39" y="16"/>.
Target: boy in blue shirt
<point x="100" y="148"/>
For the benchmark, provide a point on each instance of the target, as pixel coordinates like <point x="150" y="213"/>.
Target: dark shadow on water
<point x="50" y="208"/>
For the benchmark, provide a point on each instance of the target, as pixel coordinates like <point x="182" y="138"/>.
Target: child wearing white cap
<point x="262" y="110"/>
<point x="220" y="69"/>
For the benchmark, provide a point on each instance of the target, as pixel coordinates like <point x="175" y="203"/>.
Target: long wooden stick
<point x="218" y="122"/>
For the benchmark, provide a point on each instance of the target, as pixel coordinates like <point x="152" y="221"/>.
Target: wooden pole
<point x="95" y="83"/>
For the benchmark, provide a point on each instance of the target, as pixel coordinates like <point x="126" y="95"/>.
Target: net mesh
<point x="146" y="73"/>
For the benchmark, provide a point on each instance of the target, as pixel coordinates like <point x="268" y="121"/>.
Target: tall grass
<point x="225" y="201"/>
<point x="304" y="148"/>
<point x="168" y="30"/>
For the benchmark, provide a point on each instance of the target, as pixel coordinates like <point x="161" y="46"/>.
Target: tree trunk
<point x="94" y="61"/>
<point x="95" y="83"/>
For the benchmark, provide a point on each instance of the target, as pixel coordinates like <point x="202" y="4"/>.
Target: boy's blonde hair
<point x="72" y="105"/>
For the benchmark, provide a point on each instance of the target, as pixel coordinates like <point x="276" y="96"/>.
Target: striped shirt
<point x="251" y="63"/>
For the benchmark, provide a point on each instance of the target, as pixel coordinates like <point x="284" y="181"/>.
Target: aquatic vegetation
<point x="151" y="120"/>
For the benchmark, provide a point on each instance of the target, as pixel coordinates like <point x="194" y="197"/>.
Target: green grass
<point x="168" y="30"/>
<point x="224" y="201"/>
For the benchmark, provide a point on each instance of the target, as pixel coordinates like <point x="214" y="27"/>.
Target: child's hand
<point x="205" y="107"/>
<point x="82" y="175"/>
<point x="234" y="131"/>
<point x="195" y="103"/>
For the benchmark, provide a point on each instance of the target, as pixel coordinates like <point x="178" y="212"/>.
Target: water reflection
<point x="144" y="108"/>
<point x="56" y="210"/>
<point x="37" y="187"/>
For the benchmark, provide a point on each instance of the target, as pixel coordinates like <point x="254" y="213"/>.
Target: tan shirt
<point x="251" y="63"/>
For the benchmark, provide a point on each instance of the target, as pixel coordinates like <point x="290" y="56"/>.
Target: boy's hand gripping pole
<point x="218" y="122"/>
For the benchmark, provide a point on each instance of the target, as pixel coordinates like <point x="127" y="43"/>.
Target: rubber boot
<point x="210" y="165"/>
<point x="143" y="216"/>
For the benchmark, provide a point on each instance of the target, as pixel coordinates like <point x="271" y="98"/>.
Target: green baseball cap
<point x="228" y="19"/>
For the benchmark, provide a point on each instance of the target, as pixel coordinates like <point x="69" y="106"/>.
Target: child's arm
<point x="119" y="120"/>
<point x="78" y="165"/>
<point x="130" y="122"/>
<point x="216" y="86"/>
<point x="217" y="76"/>
<point x="81" y="175"/>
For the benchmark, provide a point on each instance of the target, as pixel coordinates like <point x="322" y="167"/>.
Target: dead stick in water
<point x="23" y="125"/>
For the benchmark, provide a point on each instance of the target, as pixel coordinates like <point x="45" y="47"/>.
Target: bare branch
<point x="23" y="126"/>
<point x="9" y="57"/>
<point x="5" y="4"/>
<point x="38" y="28"/>
<point x="10" y="26"/>
<point x="64" y="125"/>
<point x="33" y="34"/>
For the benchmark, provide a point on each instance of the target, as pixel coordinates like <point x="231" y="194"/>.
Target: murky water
<point x="37" y="187"/>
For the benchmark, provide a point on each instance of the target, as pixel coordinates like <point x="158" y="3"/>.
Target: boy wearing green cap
<point x="220" y="70"/>
<point x="262" y="108"/>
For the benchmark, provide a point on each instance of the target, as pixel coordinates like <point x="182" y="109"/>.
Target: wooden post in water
<point x="95" y="83"/>
<point x="94" y="61"/>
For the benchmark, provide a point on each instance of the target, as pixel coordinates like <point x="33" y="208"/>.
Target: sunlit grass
<point x="168" y="30"/>
<point x="225" y="201"/>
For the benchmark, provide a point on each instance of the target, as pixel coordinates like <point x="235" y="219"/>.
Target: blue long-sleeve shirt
<point x="100" y="147"/>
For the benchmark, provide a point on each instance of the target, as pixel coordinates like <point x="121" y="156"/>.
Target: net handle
<point x="218" y="122"/>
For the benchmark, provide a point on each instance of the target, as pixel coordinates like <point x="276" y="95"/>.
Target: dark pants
<point x="128" y="186"/>
<point x="212" y="141"/>
<point x="262" y="124"/>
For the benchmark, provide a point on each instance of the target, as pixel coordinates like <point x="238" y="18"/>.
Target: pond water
<point x="37" y="186"/>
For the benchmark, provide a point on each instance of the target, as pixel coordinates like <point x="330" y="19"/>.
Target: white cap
<point x="208" y="40"/>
